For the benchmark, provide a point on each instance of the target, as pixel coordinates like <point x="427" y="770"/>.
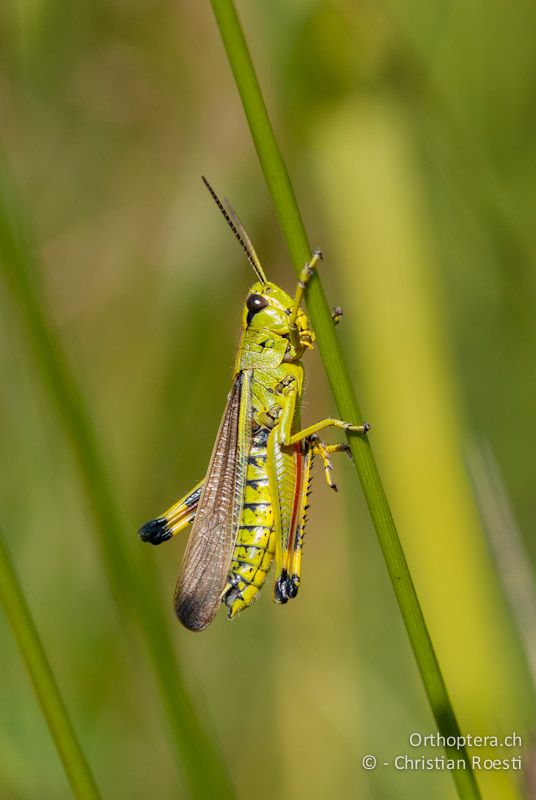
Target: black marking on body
<point x="286" y="587"/>
<point x="193" y="498"/>
<point x="259" y="448"/>
<point x="285" y="383"/>
<point x="254" y="528"/>
<point x="257" y="504"/>
<point x="294" y="586"/>
<point x="255" y="567"/>
<point x="155" y="532"/>
<point x="249" y="564"/>
<point x="281" y="588"/>
<point x="234" y="580"/>
<point x="260" y="437"/>
<point x="247" y="546"/>
<point x="233" y="593"/>
<point x="255" y="458"/>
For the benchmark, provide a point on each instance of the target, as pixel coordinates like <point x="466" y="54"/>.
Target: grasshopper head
<point x="268" y="308"/>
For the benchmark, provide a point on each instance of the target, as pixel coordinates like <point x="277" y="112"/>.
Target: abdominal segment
<point x="255" y="541"/>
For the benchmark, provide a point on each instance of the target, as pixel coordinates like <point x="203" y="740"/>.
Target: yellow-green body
<point x="274" y="369"/>
<point x="254" y="550"/>
<point x="251" y="507"/>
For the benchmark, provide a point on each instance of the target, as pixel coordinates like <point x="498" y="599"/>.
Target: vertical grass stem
<point x="46" y="688"/>
<point x="283" y="197"/>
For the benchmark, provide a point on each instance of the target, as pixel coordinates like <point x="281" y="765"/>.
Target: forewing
<point x="208" y="554"/>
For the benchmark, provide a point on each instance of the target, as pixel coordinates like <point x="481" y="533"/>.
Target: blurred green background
<point x="409" y="131"/>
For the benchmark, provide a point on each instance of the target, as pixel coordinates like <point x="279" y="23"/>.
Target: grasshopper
<point x="252" y="502"/>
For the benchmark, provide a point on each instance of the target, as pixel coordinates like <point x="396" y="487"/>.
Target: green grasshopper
<point x="252" y="502"/>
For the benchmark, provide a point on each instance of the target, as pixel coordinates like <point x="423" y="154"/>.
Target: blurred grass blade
<point x="278" y="182"/>
<point x="508" y="549"/>
<point x="200" y="761"/>
<point x="61" y="729"/>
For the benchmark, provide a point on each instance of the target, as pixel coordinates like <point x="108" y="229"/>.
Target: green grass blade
<point x="282" y="193"/>
<point x="46" y="688"/>
<point x="200" y="762"/>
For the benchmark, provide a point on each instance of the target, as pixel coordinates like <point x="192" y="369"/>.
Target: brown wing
<point x="208" y="554"/>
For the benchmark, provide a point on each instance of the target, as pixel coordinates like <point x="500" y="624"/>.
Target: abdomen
<point x="255" y="541"/>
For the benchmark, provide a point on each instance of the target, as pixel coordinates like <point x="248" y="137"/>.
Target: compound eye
<point x="254" y="304"/>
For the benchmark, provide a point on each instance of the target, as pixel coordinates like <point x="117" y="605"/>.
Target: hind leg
<point x="174" y="520"/>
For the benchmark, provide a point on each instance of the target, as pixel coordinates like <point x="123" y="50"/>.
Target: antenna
<point x="231" y="217"/>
